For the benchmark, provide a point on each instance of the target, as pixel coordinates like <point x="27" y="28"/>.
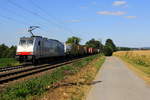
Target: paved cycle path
<point x="118" y="83"/>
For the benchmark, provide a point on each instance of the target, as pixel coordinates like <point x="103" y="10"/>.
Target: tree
<point x="94" y="44"/>
<point x="12" y="52"/>
<point x="110" y="43"/>
<point x="108" y="51"/>
<point x="73" y="40"/>
<point x="3" y="50"/>
<point x="6" y="52"/>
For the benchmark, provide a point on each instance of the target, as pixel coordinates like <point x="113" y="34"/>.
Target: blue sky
<point x="125" y="21"/>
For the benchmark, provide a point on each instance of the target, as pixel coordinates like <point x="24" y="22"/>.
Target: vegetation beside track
<point x="138" y="59"/>
<point x="4" y="62"/>
<point x="29" y="89"/>
<point x="76" y="86"/>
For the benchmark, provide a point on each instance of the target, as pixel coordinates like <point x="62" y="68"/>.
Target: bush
<point x="7" y="52"/>
<point x="108" y="51"/>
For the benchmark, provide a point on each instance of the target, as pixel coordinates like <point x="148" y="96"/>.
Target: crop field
<point x="8" y="62"/>
<point x="140" y="59"/>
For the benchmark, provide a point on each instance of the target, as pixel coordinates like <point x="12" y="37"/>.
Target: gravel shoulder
<point x="118" y="82"/>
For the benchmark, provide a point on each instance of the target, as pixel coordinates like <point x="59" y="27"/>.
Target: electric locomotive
<point x="34" y="48"/>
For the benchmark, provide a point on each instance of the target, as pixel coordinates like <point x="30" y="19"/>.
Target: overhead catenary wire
<point x="27" y="10"/>
<point x="20" y="22"/>
<point x="14" y="13"/>
<point x="12" y="19"/>
<point x="17" y="21"/>
<point x="34" y="13"/>
<point x="49" y="15"/>
<point x="21" y="16"/>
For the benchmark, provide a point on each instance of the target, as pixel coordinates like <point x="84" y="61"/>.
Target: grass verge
<point x="76" y="86"/>
<point x="8" y="62"/>
<point x="30" y="89"/>
<point x="141" y="70"/>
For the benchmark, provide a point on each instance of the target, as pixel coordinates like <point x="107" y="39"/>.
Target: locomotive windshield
<point x="22" y="42"/>
<point x="27" y="41"/>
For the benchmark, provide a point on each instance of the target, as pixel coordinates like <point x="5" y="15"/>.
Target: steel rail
<point x="10" y="76"/>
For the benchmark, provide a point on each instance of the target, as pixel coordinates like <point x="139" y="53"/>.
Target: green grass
<point x="99" y="63"/>
<point x="88" y="77"/>
<point x="139" y="65"/>
<point x="37" y="86"/>
<point x="8" y="62"/>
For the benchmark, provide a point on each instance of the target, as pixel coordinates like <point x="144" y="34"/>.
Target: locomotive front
<point x="25" y="49"/>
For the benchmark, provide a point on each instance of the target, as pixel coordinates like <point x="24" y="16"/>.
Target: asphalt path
<point x="116" y="82"/>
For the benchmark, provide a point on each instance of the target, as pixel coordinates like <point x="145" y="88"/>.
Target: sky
<point x="126" y="22"/>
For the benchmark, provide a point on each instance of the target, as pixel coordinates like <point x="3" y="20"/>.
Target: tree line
<point x="7" y="52"/>
<point x="107" y="49"/>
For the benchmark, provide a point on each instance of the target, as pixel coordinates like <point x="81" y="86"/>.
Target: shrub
<point x="108" y="51"/>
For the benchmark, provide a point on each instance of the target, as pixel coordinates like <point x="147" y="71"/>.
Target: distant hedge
<point x="7" y="52"/>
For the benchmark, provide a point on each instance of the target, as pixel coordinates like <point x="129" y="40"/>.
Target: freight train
<point x="35" y="48"/>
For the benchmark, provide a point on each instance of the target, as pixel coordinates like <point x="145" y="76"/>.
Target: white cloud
<point x="73" y="21"/>
<point x="131" y="17"/>
<point x="115" y="13"/>
<point x="119" y="3"/>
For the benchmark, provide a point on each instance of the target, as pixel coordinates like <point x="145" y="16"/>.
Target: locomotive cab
<point x="25" y="49"/>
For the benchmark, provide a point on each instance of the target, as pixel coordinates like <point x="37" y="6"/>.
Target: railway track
<point x="12" y="67"/>
<point x="11" y="75"/>
<point x="9" y="68"/>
